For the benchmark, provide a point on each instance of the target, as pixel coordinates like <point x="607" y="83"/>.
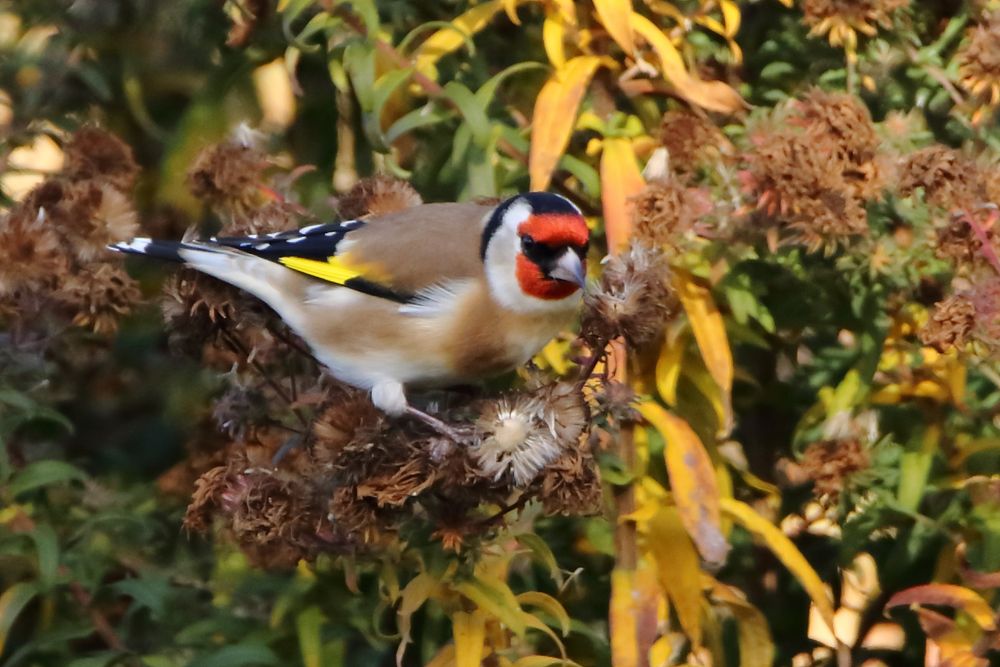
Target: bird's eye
<point x="527" y="242"/>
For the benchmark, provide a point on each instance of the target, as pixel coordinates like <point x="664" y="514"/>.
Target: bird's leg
<point x="444" y="429"/>
<point x="390" y="398"/>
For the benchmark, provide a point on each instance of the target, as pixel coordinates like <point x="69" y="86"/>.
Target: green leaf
<point x="359" y="61"/>
<point x="44" y="473"/>
<point x="240" y="655"/>
<point x="541" y="551"/>
<point x="496" y="598"/>
<point x="472" y="111"/>
<point x="309" y="626"/>
<point x="421" y="117"/>
<point x="486" y="92"/>
<point x="148" y="591"/>
<point x="12" y="603"/>
<point x="47" y="552"/>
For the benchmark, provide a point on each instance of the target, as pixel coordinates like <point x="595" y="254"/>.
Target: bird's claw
<point x="458" y="435"/>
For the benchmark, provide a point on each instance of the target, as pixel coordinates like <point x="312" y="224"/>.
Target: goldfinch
<point x="433" y="295"/>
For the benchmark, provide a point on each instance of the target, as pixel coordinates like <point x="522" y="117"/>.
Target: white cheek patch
<point x="501" y="268"/>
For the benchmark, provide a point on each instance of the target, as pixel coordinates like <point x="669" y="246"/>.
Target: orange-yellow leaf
<point x="633" y="617"/>
<point x="786" y="552"/>
<point x="711" y="95"/>
<point x="553" y="35"/>
<point x="756" y="645"/>
<point x="510" y="8"/>
<point x="446" y="40"/>
<point x="624" y="628"/>
<point x="621" y="179"/>
<point x="668" y="368"/>
<point x="730" y="17"/>
<point x="948" y="595"/>
<point x="616" y="16"/>
<point x="552" y="119"/>
<point x="412" y="598"/>
<point x="693" y="484"/>
<point x="470" y="632"/>
<point x="677" y="568"/>
<point x="710" y="334"/>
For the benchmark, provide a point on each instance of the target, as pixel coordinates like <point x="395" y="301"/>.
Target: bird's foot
<point x="458" y="435"/>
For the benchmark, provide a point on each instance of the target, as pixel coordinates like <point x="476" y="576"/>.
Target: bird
<point x="434" y="295"/>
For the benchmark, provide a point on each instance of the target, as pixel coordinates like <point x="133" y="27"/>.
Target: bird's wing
<point x="395" y="256"/>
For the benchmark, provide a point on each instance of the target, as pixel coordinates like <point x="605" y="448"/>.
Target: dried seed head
<point x="949" y="180"/>
<point x="689" y="140"/>
<point x="842" y="121"/>
<point x="959" y="243"/>
<point x="32" y="254"/>
<point x="634" y="299"/>
<point x="951" y="324"/>
<point x="377" y="195"/>
<point x="616" y="401"/>
<point x="99" y="295"/>
<point x="665" y="212"/>
<point x="979" y="60"/>
<point x="240" y="409"/>
<point x="93" y="154"/>
<point x="523" y="433"/>
<point x="571" y="485"/>
<point x="801" y="181"/>
<point x="841" y="20"/>
<point x="831" y="463"/>
<point x="230" y="177"/>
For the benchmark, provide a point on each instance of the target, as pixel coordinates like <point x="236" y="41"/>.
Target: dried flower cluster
<point x="301" y="472"/>
<point x="971" y="315"/>
<point x="979" y="60"/>
<point x="665" y="212"/>
<point x="841" y="20"/>
<point x="948" y="179"/>
<point x="831" y="463"/>
<point x="690" y="140"/>
<point x="634" y="299"/>
<point x="816" y="173"/>
<point x="52" y="244"/>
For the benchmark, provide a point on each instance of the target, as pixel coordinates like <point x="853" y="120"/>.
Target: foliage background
<point x="819" y="443"/>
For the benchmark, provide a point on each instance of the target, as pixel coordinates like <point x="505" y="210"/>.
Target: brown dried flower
<point x="230" y="176"/>
<point x="665" y="211"/>
<point x="31" y="252"/>
<point x="979" y="60"/>
<point x="377" y="195"/>
<point x="831" y="463"/>
<point x="634" y="299"/>
<point x="801" y="180"/>
<point x="841" y="20"/>
<point x="93" y="154"/>
<point x="522" y="433"/>
<point x="99" y="295"/>
<point x="842" y="121"/>
<point x="950" y="325"/>
<point x="571" y="485"/>
<point x="949" y="180"/>
<point x="959" y="243"/>
<point x="689" y="139"/>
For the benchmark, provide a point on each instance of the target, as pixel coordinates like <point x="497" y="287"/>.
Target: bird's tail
<point x="270" y="282"/>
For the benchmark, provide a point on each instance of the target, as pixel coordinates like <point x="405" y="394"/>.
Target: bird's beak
<point x="569" y="268"/>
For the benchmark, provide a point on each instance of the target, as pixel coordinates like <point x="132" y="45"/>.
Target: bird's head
<point x="534" y="249"/>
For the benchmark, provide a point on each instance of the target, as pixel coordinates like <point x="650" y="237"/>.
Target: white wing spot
<point x="262" y="246"/>
<point x="297" y="239"/>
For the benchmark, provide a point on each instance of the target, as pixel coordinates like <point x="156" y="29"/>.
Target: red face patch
<point x="534" y="283"/>
<point x="555" y="230"/>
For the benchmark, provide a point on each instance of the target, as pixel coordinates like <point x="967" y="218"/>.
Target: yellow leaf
<point x="417" y="591"/>
<point x="510" y="8"/>
<point x="622" y="619"/>
<point x="677" y="568"/>
<point x="470" y="632"/>
<point x="668" y="368"/>
<point x="692" y="481"/>
<point x="548" y="604"/>
<point x="756" y="645"/>
<point x="443" y="658"/>
<point x="710" y="334"/>
<point x="712" y="95"/>
<point x="949" y="595"/>
<point x="541" y="661"/>
<point x="616" y="16"/>
<point x="787" y="553"/>
<point x="730" y="17"/>
<point x="621" y="180"/>
<point x="553" y="36"/>
<point x="552" y="119"/>
<point x="446" y="40"/>
<point x="659" y="654"/>
<point x="496" y="598"/>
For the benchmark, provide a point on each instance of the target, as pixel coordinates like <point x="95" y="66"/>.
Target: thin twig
<point x="989" y="252"/>
<point x="101" y="625"/>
